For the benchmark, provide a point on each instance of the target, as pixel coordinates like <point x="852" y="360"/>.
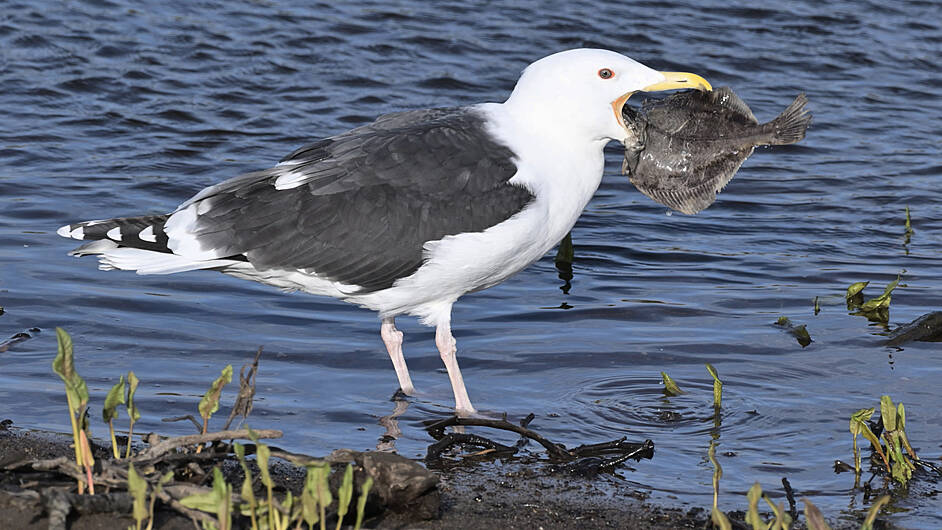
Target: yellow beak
<point x="672" y="81"/>
<point x="676" y="80"/>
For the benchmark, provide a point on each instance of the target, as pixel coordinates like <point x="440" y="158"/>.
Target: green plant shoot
<point x="882" y="301"/>
<point x="717" y="387"/>
<point x="361" y="501"/>
<point x="857" y="425"/>
<point x="137" y="487"/>
<point x="344" y="494"/>
<point x="133" y="413"/>
<point x="752" y="515"/>
<point x="262" y="454"/>
<point x="109" y="413"/>
<point x="670" y="387"/>
<point x="76" y="391"/>
<point x="210" y="402"/>
<point x="782" y="520"/>
<point x="247" y="493"/>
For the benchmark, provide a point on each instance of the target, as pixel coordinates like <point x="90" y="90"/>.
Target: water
<point x="112" y="109"/>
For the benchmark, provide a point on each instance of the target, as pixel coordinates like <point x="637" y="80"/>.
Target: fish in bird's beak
<point x="672" y="81"/>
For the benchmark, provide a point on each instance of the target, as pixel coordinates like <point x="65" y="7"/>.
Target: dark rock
<point x="401" y="484"/>
<point x="927" y="328"/>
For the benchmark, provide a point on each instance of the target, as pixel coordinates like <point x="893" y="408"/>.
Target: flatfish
<point x="688" y="146"/>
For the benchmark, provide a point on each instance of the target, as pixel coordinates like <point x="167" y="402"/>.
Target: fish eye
<point x="606" y="73"/>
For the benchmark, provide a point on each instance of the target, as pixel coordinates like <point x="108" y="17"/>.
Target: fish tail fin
<point x="789" y="127"/>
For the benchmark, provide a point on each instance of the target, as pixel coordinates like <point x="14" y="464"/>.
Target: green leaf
<point x="323" y="490"/>
<point x="783" y="321"/>
<point x="888" y="413"/>
<point x="217" y="500"/>
<point x="875" y="442"/>
<point x="670" y="387"/>
<point x="717" y="387"/>
<point x="817" y="306"/>
<point x="133" y="382"/>
<point x="361" y="501"/>
<point x="64" y="365"/>
<point x="752" y="516"/>
<point x="801" y="334"/>
<point x="344" y="494"/>
<point x="309" y="508"/>
<point x="204" y="501"/>
<point x="882" y="301"/>
<point x="137" y="487"/>
<point x="874" y="511"/>
<point x="247" y="493"/>
<point x="210" y="402"/>
<point x="909" y="224"/>
<point x="858" y="418"/>
<point x="813" y="517"/>
<point x="782" y="520"/>
<point x="855" y="288"/>
<point x="262" y="454"/>
<point x="114" y="398"/>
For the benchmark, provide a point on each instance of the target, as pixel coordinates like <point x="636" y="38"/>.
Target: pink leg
<point x="392" y="337"/>
<point x="448" y="350"/>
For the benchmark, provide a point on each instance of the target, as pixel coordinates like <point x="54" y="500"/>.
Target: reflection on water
<point x="114" y="109"/>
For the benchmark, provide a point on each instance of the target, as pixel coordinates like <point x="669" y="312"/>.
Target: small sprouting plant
<point x="109" y="413"/>
<point x="670" y="387"/>
<point x="717" y="387"/>
<point x="217" y="501"/>
<point x="76" y="394"/>
<point x="210" y="402"/>
<point x="892" y="442"/>
<point x="137" y="487"/>
<point x="858" y="425"/>
<point x="133" y="413"/>
<point x="876" y="309"/>
<point x="344" y="495"/>
<point x="361" y="501"/>
<point x="249" y="505"/>
<point x="908" y="234"/>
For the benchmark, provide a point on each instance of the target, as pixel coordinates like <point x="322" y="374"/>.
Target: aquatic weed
<point x="109" y="412"/>
<point x="76" y="395"/>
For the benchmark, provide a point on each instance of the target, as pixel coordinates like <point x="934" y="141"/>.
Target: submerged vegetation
<point x="892" y="452"/>
<point x="876" y="309"/>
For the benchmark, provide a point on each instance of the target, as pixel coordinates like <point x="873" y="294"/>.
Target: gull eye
<point x="605" y="73"/>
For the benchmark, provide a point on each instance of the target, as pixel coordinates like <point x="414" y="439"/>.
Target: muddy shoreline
<point x="508" y="493"/>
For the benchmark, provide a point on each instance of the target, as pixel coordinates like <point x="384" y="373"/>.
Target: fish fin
<point x="789" y="127"/>
<point x="725" y="97"/>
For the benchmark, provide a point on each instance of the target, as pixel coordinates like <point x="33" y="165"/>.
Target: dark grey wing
<point x="358" y="207"/>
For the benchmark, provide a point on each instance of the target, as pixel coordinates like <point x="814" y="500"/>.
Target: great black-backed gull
<point x="408" y="213"/>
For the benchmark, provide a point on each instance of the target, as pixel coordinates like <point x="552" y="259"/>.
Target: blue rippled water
<point x="109" y="108"/>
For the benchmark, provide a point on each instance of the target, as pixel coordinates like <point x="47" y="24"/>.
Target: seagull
<point x="406" y="214"/>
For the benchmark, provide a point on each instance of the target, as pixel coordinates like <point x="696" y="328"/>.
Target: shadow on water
<point x="114" y="109"/>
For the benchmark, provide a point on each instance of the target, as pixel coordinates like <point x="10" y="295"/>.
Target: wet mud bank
<point x="471" y="493"/>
